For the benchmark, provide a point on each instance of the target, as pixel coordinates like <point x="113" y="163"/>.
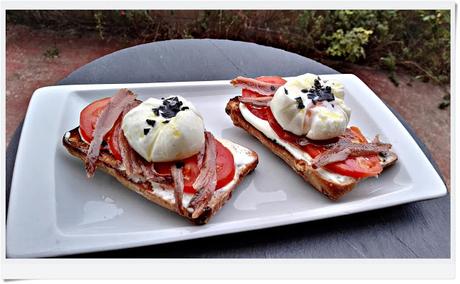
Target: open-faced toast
<point x="332" y="185"/>
<point x="164" y="193"/>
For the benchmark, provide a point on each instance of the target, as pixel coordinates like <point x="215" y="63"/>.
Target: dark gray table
<point x="416" y="230"/>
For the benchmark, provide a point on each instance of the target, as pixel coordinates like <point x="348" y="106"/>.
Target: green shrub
<point x="416" y="40"/>
<point x="348" y="45"/>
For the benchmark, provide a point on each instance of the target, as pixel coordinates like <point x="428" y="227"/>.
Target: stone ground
<point x="28" y="68"/>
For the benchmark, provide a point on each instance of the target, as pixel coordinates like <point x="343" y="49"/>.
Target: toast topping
<point x="256" y="85"/>
<point x="256" y="101"/>
<point x="178" y="177"/>
<point x="357" y="162"/>
<point x="176" y="129"/>
<point x="171" y="106"/>
<point x="206" y="181"/>
<point x="344" y="148"/>
<point x="312" y="107"/>
<point x="104" y="124"/>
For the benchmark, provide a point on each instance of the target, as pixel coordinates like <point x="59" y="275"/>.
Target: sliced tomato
<point x="249" y="93"/>
<point x="190" y="171"/>
<point x="112" y="139"/>
<point x="357" y="167"/>
<point x="261" y="112"/>
<point x="283" y="134"/>
<point x="225" y="167"/>
<point x="313" y="150"/>
<point x="88" y="118"/>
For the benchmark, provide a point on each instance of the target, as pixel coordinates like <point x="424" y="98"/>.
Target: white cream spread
<point x="308" y="106"/>
<point x="264" y="127"/>
<point x="164" y="130"/>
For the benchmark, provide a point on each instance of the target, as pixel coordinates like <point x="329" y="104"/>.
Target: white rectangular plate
<point x="55" y="210"/>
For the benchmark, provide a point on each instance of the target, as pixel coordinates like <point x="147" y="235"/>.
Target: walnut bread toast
<point x="332" y="185"/>
<point x="166" y="190"/>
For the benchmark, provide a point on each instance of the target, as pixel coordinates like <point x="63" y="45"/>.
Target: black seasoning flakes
<point x="150" y="122"/>
<point x="170" y="107"/>
<point x="272" y="88"/>
<point x="156" y="111"/>
<point x="320" y="93"/>
<point x="305" y="90"/>
<point x="286" y="91"/>
<point x="317" y="84"/>
<point x="184" y="108"/>
<point x="146" y="131"/>
<point x="165" y="122"/>
<point x="300" y="104"/>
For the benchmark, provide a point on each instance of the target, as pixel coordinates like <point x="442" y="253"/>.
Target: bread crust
<point x="332" y="190"/>
<point x="77" y="147"/>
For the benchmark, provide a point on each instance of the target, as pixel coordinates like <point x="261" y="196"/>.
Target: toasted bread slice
<point x="333" y="189"/>
<point x="247" y="161"/>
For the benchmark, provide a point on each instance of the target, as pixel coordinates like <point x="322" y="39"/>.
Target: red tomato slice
<point x="112" y="139"/>
<point x="357" y="167"/>
<point x="88" y="118"/>
<point x="225" y="165"/>
<point x="313" y="150"/>
<point x="225" y="168"/>
<point x="249" y="93"/>
<point x="283" y="134"/>
<point x="261" y="112"/>
<point x="190" y="171"/>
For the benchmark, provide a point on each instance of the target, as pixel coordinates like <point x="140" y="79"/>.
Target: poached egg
<point x="309" y="106"/>
<point x="163" y="130"/>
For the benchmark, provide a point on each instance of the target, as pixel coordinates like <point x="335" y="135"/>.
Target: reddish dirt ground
<point x="27" y="69"/>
